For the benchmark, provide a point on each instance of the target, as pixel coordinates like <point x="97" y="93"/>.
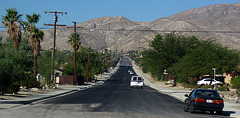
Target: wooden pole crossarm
<point x="55" y="12"/>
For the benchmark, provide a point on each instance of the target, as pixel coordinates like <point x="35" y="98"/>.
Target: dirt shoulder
<point x="25" y="93"/>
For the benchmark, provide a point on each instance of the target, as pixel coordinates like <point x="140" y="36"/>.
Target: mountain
<point x="120" y="33"/>
<point x="115" y="33"/>
<point x="220" y="17"/>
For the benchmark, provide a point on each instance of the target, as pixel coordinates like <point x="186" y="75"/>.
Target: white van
<point x="136" y="81"/>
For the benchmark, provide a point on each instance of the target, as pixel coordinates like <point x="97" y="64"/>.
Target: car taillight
<point x="218" y="101"/>
<point x="199" y="100"/>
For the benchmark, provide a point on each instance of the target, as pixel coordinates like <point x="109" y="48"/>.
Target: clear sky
<point x="84" y="10"/>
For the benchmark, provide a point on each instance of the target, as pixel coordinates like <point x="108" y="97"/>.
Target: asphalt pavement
<point x="115" y="98"/>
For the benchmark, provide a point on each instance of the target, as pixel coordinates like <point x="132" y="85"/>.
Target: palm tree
<point x="35" y="35"/>
<point x="74" y="40"/>
<point x="12" y="21"/>
<point x="33" y="19"/>
<point x="71" y="41"/>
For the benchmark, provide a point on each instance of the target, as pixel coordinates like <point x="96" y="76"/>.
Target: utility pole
<point x="75" y="52"/>
<point x="54" y="36"/>
<point x="102" y="62"/>
<point x="214" y="76"/>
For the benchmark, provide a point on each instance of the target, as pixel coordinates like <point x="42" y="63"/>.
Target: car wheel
<point x="141" y="87"/>
<point x="185" y="107"/>
<point x="192" y="109"/>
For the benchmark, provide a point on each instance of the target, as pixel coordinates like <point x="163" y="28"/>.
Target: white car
<point x="130" y="72"/>
<point x="207" y="81"/>
<point x="136" y="81"/>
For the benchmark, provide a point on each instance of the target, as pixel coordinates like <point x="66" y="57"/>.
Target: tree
<point x="164" y="52"/>
<point x="74" y="40"/>
<point x="71" y="41"/>
<point x="35" y="35"/>
<point x="45" y="69"/>
<point x="12" y="21"/>
<point x="82" y="62"/>
<point x="201" y="60"/>
<point x="14" y="66"/>
<point x="184" y="57"/>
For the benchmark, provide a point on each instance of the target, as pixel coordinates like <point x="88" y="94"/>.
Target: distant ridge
<point x="120" y="33"/>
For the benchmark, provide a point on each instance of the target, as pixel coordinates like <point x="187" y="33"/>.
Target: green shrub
<point x="206" y="86"/>
<point x="14" y="88"/>
<point x="238" y="92"/>
<point x="190" y="86"/>
<point x="32" y="83"/>
<point x="235" y="82"/>
<point x="223" y="88"/>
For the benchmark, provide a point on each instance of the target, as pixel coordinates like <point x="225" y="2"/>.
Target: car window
<point x="191" y="93"/>
<point x="134" y="78"/>
<point x="206" y="93"/>
<point x="139" y="78"/>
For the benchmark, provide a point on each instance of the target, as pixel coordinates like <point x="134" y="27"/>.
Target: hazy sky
<point x="84" y="10"/>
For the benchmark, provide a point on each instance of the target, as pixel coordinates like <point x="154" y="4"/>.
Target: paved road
<point x="113" y="99"/>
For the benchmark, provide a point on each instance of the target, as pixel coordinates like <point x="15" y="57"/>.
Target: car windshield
<point x="207" y="93"/>
<point x="134" y="78"/>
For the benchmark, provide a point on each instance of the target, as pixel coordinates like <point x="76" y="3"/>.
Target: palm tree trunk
<point x="35" y="66"/>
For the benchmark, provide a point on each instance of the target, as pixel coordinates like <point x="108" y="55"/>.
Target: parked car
<point x="136" y="81"/>
<point x="207" y="81"/>
<point x="205" y="100"/>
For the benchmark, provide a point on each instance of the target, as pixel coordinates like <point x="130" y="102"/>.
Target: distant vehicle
<point x="130" y="72"/>
<point x="205" y="100"/>
<point x="136" y="81"/>
<point x="207" y="81"/>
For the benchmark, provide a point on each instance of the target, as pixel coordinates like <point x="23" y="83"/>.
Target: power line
<point x="200" y="31"/>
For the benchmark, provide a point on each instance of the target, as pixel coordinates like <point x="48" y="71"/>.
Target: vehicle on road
<point x="136" y="81"/>
<point x="207" y="81"/>
<point x="130" y="72"/>
<point x="205" y="100"/>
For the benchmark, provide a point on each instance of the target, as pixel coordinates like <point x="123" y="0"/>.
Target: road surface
<point x="113" y="99"/>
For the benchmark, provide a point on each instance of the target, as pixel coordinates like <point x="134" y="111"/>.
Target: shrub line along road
<point x="113" y="99"/>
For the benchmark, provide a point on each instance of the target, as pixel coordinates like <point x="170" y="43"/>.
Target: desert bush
<point x="235" y="82"/>
<point x="192" y="86"/>
<point x="207" y="86"/>
<point x="223" y="88"/>
<point x="32" y="83"/>
<point x="14" y="88"/>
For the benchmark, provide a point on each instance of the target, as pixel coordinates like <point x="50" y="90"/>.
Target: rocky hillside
<point x="119" y="33"/>
<point x="115" y="33"/>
